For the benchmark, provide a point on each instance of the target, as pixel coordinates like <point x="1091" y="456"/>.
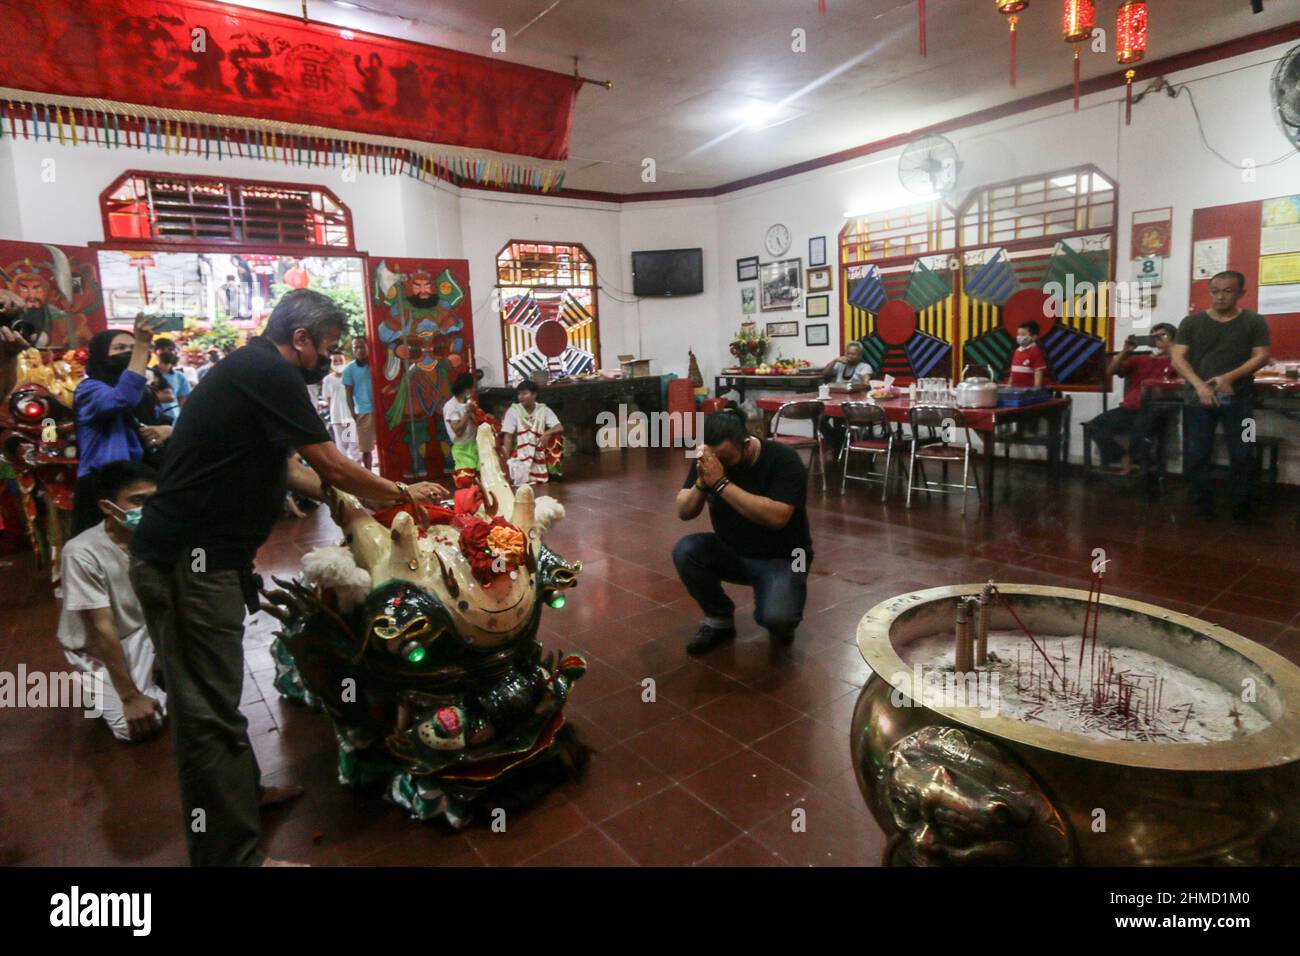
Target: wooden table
<point x="983" y="421"/>
<point x="577" y="403"/>
<point x="742" y="380"/>
<point x="1281" y="395"/>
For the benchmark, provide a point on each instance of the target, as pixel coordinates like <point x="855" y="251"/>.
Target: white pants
<point x="139" y="652"/>
<point x="345" y="436"/>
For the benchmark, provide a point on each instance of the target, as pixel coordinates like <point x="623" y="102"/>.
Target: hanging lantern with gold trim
<point x="1009" y="9"/>
<point x="1130" y="45"/>
<point x="1080" y="19"/>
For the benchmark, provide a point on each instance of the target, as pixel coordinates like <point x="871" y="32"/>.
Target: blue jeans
<point x="704" y="561"/>
<point x="1199" y="422"/>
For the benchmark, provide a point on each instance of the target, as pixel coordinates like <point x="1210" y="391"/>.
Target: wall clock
<point x="777" y="241"/>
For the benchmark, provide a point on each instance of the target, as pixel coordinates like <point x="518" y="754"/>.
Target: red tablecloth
<point x="977" y="419"/>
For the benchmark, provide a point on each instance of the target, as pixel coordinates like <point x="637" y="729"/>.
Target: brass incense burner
<point x="963" y="785"/>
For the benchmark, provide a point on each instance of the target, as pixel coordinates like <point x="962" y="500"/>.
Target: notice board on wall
<point x="1261" y="240"/>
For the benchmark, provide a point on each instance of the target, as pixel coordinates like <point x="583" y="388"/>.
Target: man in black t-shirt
<point x="1218" y="352"/>
<point x="222" y="487"/>
<point x="755" y="491"/>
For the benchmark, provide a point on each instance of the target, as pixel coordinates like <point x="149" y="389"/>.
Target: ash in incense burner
<point x="1035" y="725"/>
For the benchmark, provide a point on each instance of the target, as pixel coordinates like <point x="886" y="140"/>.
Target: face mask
<point x="128" y="519"/>
<point x="117" y="363"/>
<point x="1024" y="340"/>
<point x="168" y="358"/>
<point x="316" y="374"/>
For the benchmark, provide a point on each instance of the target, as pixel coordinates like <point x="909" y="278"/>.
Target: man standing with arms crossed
<point x="1217" y="352"/>
<point x="232" y="455"/>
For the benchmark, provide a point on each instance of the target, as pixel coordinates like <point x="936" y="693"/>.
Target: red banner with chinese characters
<point x="217" y="58"/>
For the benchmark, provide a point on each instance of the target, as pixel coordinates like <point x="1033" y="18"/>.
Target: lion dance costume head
<point x="418" y="637"/>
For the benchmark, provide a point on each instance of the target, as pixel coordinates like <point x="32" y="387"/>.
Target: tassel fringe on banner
<point x="112" y="129"/>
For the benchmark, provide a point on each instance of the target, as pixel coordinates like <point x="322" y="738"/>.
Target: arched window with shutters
<point x="549" y="312"/>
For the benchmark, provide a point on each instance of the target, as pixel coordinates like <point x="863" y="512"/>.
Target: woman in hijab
<point x="103" y="407"/>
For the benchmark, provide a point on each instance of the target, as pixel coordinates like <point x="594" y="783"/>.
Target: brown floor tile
<point x="683" y="746"/>
<point x="747" y="714"/>
<point x="527" y="832"/>
<point x="809" y="749"/>
<point x="822" y="834"/>
<point x="628" y="712"/>
<point x="589" y="848"/>
<point x="615" y="780"/>
<point x="746" y="787"/>
<point x="742" y="851"/>
<point x="672" y="828"/>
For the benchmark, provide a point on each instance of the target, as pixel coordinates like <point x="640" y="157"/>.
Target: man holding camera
<point x="1129" y="421"/>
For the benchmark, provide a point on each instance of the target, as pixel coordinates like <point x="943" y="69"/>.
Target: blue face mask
<point x="128" y="519"/>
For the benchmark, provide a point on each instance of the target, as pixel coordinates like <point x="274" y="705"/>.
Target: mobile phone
<point x="171" y="322"/>
<point x="1143" y="341"/>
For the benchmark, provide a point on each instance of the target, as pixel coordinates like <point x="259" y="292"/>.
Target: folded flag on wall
<point x="216" y="58"/>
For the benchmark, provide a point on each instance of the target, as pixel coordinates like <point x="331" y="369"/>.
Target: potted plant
<point x="749" y="345"/>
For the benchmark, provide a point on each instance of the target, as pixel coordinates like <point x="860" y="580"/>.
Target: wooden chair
<point x="945" y="418"/>
<point x="861" y="420"/>
<point x="802" y="410"/>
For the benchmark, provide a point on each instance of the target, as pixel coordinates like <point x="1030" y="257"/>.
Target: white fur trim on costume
<point x="547" y="513"/>
<point x="336" y="569"/>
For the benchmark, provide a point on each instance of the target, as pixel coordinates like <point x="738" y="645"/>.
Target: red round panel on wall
<point x="552" y="339"/>
<point x="1025" y="306"/>
<point x="896" y="322"/>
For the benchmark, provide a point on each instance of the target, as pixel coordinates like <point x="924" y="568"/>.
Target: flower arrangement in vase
<point x="749" y="345"/>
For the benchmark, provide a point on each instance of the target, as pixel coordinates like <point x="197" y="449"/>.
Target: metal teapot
<point x="977" y="392"/>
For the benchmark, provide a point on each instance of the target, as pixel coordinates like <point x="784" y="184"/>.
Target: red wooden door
<point x="420" y="329"/>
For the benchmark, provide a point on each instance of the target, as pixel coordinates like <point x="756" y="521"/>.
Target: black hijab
<point x="97" y="364"/>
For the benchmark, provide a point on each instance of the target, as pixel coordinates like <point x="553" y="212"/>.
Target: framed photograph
<point x="747" y="269"/>
<point x="819" y="280"/>
<point x="817" y="251"/>
<point x="817" y="334"/>
<point x="780" y="285"/>
<point x="782" y="330"/>
<point x="749" y="299"/>
<point x="819" y="306"/>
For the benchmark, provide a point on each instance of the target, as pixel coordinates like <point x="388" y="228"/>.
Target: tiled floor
<point x="714" y="769"/>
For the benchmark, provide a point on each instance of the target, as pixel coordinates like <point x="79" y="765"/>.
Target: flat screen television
<point x="668" y="272"/>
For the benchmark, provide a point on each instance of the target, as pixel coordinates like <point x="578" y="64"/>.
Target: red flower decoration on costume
<point x="474" y="545"/>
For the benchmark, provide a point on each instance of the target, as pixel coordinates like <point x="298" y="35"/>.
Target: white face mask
<point x="1024" y="340"/>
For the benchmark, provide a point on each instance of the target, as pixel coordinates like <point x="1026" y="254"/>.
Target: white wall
<point x="666" y="330"/>
<point x="490" y="220"/>
<point x="1158" y="161"/>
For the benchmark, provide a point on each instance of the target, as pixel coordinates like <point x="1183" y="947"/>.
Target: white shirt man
<point x="101" y="625"/>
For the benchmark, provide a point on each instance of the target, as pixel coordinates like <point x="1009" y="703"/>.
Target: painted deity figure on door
<point x="423" y="331"/>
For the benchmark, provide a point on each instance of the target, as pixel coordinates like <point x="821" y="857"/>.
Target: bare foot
<point x="270" y="862"/>
<point x="276" y="795"/>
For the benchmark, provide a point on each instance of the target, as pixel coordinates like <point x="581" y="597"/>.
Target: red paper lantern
<point x="1080" y="19"/>
<point x="1009" y="8"/>
<point x="1131" y="32"/>
<point x="1130" y="45"/>
<point x="1077" y="25"/>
